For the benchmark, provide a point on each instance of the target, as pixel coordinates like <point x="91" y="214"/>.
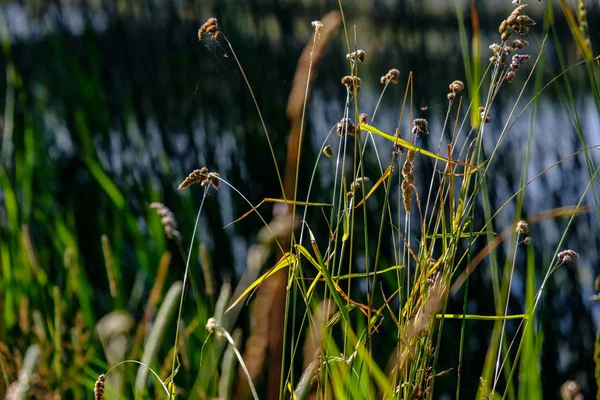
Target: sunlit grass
<point x="369" y="263"/>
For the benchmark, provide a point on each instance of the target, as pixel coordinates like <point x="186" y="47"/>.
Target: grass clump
<point x="352" y="290"/>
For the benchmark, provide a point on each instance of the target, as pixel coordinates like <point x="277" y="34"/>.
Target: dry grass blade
<point x="385" y="175"/>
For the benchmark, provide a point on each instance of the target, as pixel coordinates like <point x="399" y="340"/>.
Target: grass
<point x="367" y="277"/>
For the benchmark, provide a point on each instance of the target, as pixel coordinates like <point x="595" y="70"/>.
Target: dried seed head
<point x="167" y="219"/>
<point x="515" y="23"/>
<point x="527" y="241"/>
<point x="211" y="325"/>
<point x="501" y="54"/>
<point x="211" y="28"/>
<point x="408" y="181"/>
<point x="346" y="126"/>
<point x="516" y="3"/>
<point x="197" y="176"/>
<point x="502" y="27"/>
<point x="358" y="55"/>
<point x="571" y="390"/>
<point x="420" y="127"/>
<point x="352" y="82"/>
<point x="99" y="387"/>
<point x="525" y="20"/>
<point x="495" y="48"/>
<point x="451" y="96"/>
<point x="517" y="11"/>
<point x="201" y="176"/>
<point x="566" y="256"/>
<point x="510" y="76"/>
<point x="362" y="118"/>
<point x="328" y="151"/>
<point x="317" y="25"/>
<point x="398" y="148"/>
<point x="485" y="118"/>
<point x="214" y="179"/>
<point x="358" y="182"/>
<point x="391" y="76"/>
<point x="522" y="227"/>
<point x="457" y="87"/>
<point x="519" y="43"/>
<point x="518" y="61"/>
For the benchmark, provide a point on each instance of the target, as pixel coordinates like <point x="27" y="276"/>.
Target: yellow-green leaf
<point x="410" y="146"/>
<point x="286" y="260"/>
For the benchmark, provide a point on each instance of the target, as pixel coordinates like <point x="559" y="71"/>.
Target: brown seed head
<point x="420" y="127"/>
<point x="211" y="28"/>
<point x="346" y="126"/>
<point x="519" y="43"/>
<point x="566" y="256"/>
<point x="522" y="227"/>
<point x="510" y="76"/>
<point x="197" y="176"/>
<point x="99" y="387"/>
<point x="391" y="76"/>
<point x="358" y="55"/>
<point x="214" y="179"/>
<point x="486" y="118"/>
<point x="167" y="219"/>
<point x="518" y="61"/>
<point x="328" y="151"/>
<point x="362" y="118"/>
<point x="456" y="87"/>
<point x="352" y="82"/>
<point x="358" y="182"/>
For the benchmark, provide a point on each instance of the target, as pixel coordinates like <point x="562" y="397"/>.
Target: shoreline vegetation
<point x="369" y="287"/>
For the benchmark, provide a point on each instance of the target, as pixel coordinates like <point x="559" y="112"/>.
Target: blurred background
<point x="108" y="105"/>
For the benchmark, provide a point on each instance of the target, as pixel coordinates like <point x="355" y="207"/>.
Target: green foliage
<point x="367" y="287"/>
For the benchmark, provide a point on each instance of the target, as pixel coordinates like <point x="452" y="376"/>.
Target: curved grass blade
<point x="410" y="146"/>
<point x="387" y="173"/>
<point x="286" y="260"/>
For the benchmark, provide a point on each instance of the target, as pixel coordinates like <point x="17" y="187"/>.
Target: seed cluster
<point x="203" y="177"/>
<point x="517" y="23"/>
<point x="352" y="82"/>
<point x="358" y="55"/>
<point x="420" y="127"/>
<point x="566" y="256"/>
<point x="346" y="126"/>
<point x="99" y="387"/>
<point x="484" y="117"/>
<point x="167" y="220"/>
<point x="408" y="173"/>
<point x="391" y="76"/>
<point x="455" y="88"/>
<point x="211" y="28"/>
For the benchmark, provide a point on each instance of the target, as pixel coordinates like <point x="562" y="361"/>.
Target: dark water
<point x="157" y="103"/>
